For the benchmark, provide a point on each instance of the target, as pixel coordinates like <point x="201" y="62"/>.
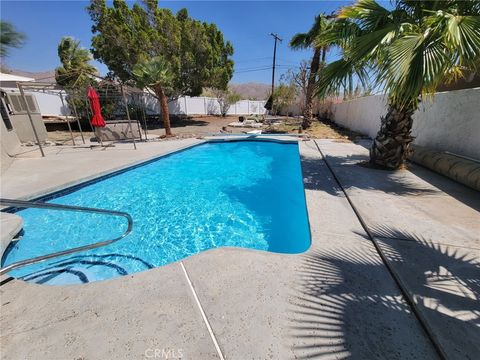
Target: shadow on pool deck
<point x="389" y="182"/>
<point x="427" y="227"/>
<point x="444" y="282"/>
<point x="337" y="314"/>
<point x="332" y="302"/>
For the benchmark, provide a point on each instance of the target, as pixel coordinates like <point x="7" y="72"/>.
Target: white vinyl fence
<point x="206" y="106"/>
<point x="51" y="104"/>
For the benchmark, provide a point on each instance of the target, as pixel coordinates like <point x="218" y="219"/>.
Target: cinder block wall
<point x="448" y="122"/>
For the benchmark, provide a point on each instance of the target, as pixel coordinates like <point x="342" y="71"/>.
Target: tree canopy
<point x="283" y="97"/>
<point x="76" y="69"/>
<point x="196" y="53"/>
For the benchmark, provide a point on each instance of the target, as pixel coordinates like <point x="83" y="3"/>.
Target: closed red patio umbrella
<point x="97" y="119"/>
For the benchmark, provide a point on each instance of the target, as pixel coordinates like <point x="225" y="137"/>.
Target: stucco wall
<point x="10" y="145"/>
<point x="361" y="115"/>
<point x="448" y="122"/>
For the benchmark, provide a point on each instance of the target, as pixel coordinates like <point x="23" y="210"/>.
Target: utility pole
<point x="275" y="36"/>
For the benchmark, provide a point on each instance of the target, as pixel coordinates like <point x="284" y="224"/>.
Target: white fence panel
<point x="242" y="107"/>
<point x="152" y="106"/>
<point x="195" y="105"/>
<point x="256" y="107"/>
<point x="213" y="107"/>
<point x="178" y="107"/>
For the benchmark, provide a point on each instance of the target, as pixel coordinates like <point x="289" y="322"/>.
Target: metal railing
<point x="39" y="205"/>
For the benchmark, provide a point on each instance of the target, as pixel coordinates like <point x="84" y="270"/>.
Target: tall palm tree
<point x="76" y="68"/>
<point x="408" y="51"/>
<point x="155" y="76"/>
<point x="9" y="37"/>
<point x="312" y="39"/>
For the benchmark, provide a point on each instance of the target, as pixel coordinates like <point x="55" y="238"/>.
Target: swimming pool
<point x="236" y="193"/>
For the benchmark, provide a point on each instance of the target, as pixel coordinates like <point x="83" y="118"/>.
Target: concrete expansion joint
<point x="202" y="312"/>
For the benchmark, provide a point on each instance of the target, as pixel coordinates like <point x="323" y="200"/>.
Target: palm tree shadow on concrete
<point x="443" y="281"/>
<point x="317" y="176"/>
<point x="357" y="174"/>
<point x="346" y="306"/>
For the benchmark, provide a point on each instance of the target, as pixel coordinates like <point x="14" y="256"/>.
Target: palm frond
<point x="463" y="36"/>
<point x="299" y="41"/>
<point x="153" y="72"/>
<point x="404" y="68"/>
<point x="337" y="76"/>
<point x="368" y="13"/>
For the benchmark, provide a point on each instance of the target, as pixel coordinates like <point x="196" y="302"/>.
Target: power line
<point x="288" y="61"/>
<point x="254" y="67"/>
<point x="265" y="65"/>
<point x="252" y="59"/>
<point x="247" y="71"/>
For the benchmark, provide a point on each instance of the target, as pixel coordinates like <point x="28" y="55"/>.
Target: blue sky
<point x="247" y="24"/>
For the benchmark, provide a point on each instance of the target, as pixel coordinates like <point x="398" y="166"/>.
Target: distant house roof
<point x="12" y="78"/>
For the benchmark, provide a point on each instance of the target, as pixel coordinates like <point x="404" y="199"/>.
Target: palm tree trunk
<point x="392" y="143"/>
<point x="164" y="109"/>
<point x="308" y="112"/>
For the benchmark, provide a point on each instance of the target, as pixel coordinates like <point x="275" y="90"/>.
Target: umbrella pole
<point x="128" y="117"/>
<point x="68" y="122"/>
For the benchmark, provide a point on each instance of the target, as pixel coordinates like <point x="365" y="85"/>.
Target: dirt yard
<point x="204" y="125"/>
<point x="318" y="130"/>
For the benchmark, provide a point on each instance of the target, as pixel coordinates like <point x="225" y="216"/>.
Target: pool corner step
<point x="10" y="226"/>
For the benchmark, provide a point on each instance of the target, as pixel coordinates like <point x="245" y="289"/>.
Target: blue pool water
<point x="245" y="194"/>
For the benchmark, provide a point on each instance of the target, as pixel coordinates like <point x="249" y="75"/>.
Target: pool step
<point x="10" y="226"/>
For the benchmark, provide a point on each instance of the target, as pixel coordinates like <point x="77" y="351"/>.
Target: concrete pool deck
<point x="337" y="300"/>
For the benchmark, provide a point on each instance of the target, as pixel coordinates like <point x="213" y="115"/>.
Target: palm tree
<point x="9" y="37"/>
<point x="408" y="51"/>
<point x="155" y="76"/>
<point x="312" y="39"/>
<point x="76" y="70"/>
